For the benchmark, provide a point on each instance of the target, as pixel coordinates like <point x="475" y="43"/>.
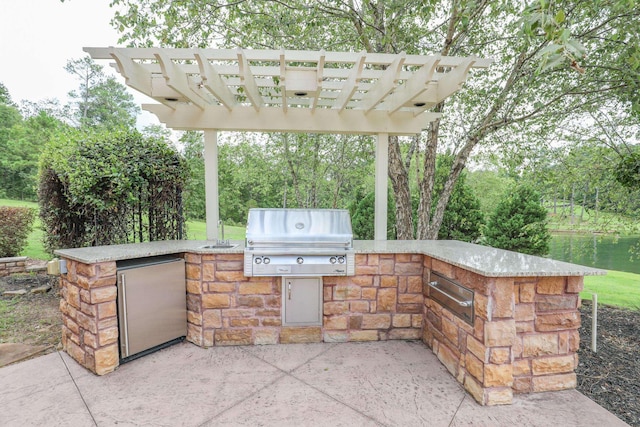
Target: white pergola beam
<point x="351" y="84"/>
<point x="385" y="84"/>
<point x="451" y="82"/>
<point x="412" y="88"/>
<point x="273" y="119"/>
<point x="248" y="81"/>
<point x="320" y="77"/>
<point x="214" y="83"/>
<point x="178" y="81"/>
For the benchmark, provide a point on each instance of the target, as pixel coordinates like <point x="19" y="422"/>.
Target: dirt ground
<point x="609" y="377"/>
<point x="32" y="319"/>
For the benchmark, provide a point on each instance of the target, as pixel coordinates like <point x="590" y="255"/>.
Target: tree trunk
<point x="400" y="182"/>
<point x="427" y="182"/>
<point x="292" y="169"/>
<point x="595" y="220"/>
<point x="571" y="204"/>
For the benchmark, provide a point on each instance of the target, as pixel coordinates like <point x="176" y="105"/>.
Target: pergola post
<point x="382" y="172"/>
<point x="212" y="203"/>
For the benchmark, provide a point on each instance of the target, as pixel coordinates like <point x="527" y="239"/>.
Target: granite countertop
<point x="479" y="259"/>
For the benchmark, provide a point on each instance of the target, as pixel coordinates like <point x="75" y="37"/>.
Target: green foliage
<point x="106" y="187"/>
<point x="15" y="226"/>
<point x="363" y="218"/>
<point x="463" y="218"/>
<point x="488" y="186"/>
<point x="304" y="171"/>
<point x="526" y="98"/>
<point x="519" y="223"/>
<point x="627" y="171"/>
<point x="5" y="97"/>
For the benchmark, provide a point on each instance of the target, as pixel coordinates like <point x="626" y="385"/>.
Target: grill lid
<point x="270" y="227"/>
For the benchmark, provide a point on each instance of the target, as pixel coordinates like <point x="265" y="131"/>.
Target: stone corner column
<point x="89" y="314"/>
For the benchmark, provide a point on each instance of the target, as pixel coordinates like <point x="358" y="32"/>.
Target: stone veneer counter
<point x="483" y="260"/>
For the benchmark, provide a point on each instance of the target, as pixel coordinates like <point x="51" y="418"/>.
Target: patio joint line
<point x="78" y="389"/>
<point x="455" y="414"/>
<point x="291" y="374"/>
<point x="249" y="396"/>
<point x="335" y="399"/>
<point x="330" y="346"/>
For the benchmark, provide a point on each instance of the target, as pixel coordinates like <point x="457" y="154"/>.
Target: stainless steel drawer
<point x="452" y="295"/>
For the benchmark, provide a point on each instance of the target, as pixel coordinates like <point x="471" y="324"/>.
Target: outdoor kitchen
<point x="500" y="322"/>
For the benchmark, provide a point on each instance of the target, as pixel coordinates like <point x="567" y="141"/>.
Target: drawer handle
<point x="435" y="285"/>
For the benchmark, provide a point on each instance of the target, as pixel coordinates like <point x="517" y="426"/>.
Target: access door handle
<point x="289" y="291"/>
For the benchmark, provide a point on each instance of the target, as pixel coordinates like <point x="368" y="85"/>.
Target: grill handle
<point x="434" y="285"/>
<point x="301" y="243"/>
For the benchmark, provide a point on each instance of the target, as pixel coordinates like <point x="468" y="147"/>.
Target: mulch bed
<point x="611" y="376"/>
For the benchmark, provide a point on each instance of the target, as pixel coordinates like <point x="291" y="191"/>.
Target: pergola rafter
<point x="291" y="91"/>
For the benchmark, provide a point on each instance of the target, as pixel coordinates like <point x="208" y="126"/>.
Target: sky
<point x="38" y="37"/>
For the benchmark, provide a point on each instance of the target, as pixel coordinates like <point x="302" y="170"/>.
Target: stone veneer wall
<point x="382" y="301"/>
<point x="13" y="265"/>
<point x="89" y="315"/>
<point x="524" y="337"/>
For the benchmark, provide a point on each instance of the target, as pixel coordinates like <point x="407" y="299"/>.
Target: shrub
<point x="15" y="226"/>
<point x="463" y="218"/>
<point x="519" y="223"/>
<point x="107" y="187"/>
<point x="363" y="218"/>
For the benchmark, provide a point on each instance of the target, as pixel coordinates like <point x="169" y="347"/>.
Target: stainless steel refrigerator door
<point x="152" y="306"/>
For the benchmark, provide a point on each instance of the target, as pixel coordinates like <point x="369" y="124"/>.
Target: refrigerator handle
<point x="123" y="328"/>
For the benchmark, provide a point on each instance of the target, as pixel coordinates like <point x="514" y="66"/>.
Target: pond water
<point x="621" y="253"/>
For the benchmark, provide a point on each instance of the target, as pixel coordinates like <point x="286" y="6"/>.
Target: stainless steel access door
<point x="302" y="301"/>
<point x="151" y="304"/>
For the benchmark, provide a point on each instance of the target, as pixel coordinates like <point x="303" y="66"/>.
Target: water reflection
<point x="611" y="252"/>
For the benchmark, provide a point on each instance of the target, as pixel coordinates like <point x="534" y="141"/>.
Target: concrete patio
<point x="390" y="383"/>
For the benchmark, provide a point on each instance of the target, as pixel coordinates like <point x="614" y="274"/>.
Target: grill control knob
<point x="266" y="260"/>
<point x="341" y="259"/>
<point x="300" y="260"/>
<point x="258" y="261"/>
<point x="332" y="260"/>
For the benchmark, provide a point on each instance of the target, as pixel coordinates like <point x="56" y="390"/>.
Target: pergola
<point x="291" y="91"/>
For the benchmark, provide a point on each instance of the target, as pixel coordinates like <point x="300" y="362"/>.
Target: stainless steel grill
<point x="299" y="242"/>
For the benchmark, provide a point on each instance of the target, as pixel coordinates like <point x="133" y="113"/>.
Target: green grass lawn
<point x="35" y="240"/>
<point x="617" y="288"/>
<point x="197" y="230"/>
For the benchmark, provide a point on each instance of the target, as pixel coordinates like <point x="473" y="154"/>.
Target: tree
<point x="538" y="77"/>
<point x="100" y="100"/>
<point x="21" y="142"/>
<point x="519" y="223"/>
<point x="5" y="98"/>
